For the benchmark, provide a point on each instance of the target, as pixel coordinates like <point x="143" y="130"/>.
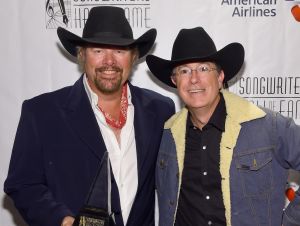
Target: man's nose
<point x="109" y="58"/>
<point x="194" y="76"/>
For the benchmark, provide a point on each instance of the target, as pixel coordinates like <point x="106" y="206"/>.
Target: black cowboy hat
<point x="107" y="25"/>
<point x="196" y="45"/>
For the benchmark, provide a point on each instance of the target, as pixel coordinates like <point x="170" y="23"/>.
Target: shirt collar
<point x="218" y="117"/>
<point x="93" y="97"/>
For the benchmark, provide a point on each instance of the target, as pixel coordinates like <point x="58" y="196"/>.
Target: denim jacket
<point x="256" y="151"/>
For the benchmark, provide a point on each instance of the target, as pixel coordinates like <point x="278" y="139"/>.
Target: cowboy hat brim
<point x="71" y="41"/>
<point x="230" y="58"/>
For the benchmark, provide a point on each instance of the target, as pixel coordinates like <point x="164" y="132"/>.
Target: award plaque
<point x="91" y="216"/>
<point x="97" y="210"/>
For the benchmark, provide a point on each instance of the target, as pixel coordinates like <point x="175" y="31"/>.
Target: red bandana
<point x="123" y="111"/>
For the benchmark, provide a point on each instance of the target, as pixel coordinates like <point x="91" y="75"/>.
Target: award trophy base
<point x="91" y="216"/>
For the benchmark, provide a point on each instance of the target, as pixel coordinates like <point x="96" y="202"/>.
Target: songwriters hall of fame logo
<point x="74" y="13"/>
<point x="58" y="13"/>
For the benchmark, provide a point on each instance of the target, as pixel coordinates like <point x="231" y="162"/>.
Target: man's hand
<point x="68" y="221"/>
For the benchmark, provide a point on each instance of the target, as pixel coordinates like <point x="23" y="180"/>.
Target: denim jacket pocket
<point x="255" y="171"/>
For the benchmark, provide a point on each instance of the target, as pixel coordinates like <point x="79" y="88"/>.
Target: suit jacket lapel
<point x="144" y="124"/>
<point x="83" y="120"/>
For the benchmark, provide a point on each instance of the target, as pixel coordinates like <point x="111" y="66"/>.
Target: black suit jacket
<point x="58" y="148"/>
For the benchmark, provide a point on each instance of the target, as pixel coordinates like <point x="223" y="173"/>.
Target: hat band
<point x="107" y="35"/>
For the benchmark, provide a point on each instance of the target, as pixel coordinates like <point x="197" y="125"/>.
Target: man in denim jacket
<point x="222" y="159"/>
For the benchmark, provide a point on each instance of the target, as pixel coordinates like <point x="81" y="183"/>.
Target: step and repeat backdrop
<point x="33" y="61"/>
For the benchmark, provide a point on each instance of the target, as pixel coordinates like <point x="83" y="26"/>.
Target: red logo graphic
<point x="290" y="194"/>
<point x="296" y="12"/>
<point x="290" y="191"/>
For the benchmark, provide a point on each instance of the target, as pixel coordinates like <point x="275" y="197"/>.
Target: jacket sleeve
<point x="26" y="183"/>
<point x="287" y="137"/>
<point x="287" y="153"/>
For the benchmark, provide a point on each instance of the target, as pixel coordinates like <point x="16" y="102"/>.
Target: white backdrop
<point x="33" y="61"/>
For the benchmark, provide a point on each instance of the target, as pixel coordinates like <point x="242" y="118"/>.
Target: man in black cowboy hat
<point x="63" y="135"/>
<point x="222" y="160"/>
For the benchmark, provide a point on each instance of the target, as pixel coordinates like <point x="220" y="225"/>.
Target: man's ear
<point x="135" y="57"/>
<point x="135" y="53"/>
<point x="221" y="79"/>
<point x="81" y="58"/>
<point x="173" y="79"/>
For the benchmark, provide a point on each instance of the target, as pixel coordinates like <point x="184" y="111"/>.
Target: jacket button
<point x="162" y="163"/>
<point x="171" y="202"/>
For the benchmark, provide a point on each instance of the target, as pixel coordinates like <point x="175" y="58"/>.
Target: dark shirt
<point x="200" y="201"/>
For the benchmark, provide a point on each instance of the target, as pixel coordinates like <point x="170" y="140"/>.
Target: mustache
<point x="110" y="68"/>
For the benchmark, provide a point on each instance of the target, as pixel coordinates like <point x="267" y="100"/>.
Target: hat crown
<point x="107" y="21"/>
<point x="195" y="45"/>
<point x="191" y="43"/>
